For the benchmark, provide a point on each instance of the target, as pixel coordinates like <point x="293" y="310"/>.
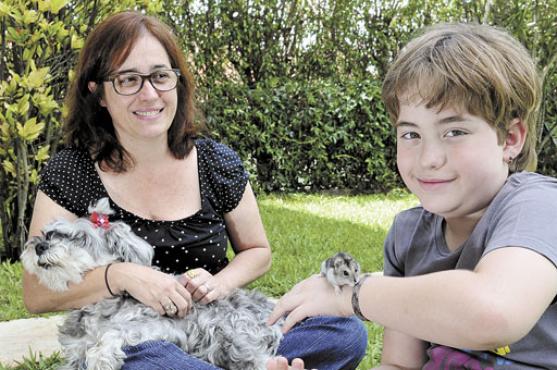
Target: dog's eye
<point x="54" y="234"/>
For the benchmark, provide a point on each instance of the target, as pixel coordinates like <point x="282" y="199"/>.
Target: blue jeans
<point x="324" y="343"/>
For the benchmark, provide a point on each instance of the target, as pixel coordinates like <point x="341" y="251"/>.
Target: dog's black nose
<point x="41" y="248"/>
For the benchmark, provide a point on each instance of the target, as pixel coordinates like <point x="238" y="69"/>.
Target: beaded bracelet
<point x="356" y="297"/>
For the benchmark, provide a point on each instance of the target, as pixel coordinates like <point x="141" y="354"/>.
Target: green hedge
<point x="307" y="136"/>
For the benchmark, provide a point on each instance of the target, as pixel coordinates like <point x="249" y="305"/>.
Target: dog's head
<point x="66" y="250"/>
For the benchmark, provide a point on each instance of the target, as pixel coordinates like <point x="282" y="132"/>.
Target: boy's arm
<point x="493" y="306"/>
<point x="401" y="351"/>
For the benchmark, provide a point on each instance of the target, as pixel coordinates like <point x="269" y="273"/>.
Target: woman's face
<point x="148" y="114"/>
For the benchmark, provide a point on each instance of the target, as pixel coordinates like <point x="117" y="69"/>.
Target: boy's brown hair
<point x="478" y="68"/>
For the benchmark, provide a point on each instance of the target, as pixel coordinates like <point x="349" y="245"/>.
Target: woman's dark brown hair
<point x="88" y="125"/>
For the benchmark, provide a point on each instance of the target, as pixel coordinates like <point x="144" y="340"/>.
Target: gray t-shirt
<point x="523" y="214"/>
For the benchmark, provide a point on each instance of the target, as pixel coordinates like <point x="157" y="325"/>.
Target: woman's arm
<point x="143" y="283"/>
<point x="247" y="235"/>
<point x="253" y="253"/>
<point x="466" y="309"/>
<point x="38" y="298"/>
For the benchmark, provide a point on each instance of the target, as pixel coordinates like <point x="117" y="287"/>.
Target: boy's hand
<point x="311" y="297"/>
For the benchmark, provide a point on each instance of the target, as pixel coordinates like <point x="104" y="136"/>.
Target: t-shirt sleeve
<point x="392" y="266"/>
<point x="528" y="220"/>
<point x="226" y="174"/>
<point x="65" y="180"/>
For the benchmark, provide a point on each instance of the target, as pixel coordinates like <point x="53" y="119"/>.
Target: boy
<point x="470" y="275"/>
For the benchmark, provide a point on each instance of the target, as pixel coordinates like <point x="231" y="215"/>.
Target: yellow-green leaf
<point x="64" y="111"/>
<point x="56" y="5"/>
<point x="30" y="130"/>
<point x="43" y="153"/>
<point x="62" y="34"/>
<point x="23" y="105"/>
<point x="9" y="167"/>
<point x="5" y="9"/>
<point x="76" y="42"/>
<point x="28" y="54"/>
<point x="44" y="5"/>
<point x="34" y="176"/>
<point x="37" y="77"/>
<point x="46" y="104"/>
<point x="53" y="6"/>
<point x="30" y="16"/>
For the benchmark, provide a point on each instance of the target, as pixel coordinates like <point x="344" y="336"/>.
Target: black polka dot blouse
<point x="200" y="240"/>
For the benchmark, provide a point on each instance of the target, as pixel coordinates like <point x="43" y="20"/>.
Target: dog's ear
<point x="127" y="246"/>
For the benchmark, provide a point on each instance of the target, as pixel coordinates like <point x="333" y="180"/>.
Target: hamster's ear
<point x="92" y="86"/>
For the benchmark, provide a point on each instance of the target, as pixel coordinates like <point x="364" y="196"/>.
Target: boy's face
<point x="449" y="159"/>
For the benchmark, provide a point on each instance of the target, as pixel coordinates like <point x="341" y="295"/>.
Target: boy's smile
<point x="431" y="184"/>
<point x="451" y="160"/>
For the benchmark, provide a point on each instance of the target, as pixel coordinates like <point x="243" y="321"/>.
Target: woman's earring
<point x="509" y="160"/>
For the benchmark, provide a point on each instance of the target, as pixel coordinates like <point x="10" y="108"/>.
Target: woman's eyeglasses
<point x="130" y="83"/>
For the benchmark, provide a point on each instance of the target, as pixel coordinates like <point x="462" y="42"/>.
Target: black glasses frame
<point x="144" y="76"/>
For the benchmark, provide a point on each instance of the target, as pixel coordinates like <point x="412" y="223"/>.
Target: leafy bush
<point x="34" y="72"/>
<point x="40" y="40"/>
<point x="312" y="136"/>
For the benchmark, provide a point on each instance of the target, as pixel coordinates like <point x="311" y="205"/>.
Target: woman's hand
<point x="162" y="292"/>
<point x="203" y="286"/>
<point x="311" y="297"/>
<point x="281" y="363"/>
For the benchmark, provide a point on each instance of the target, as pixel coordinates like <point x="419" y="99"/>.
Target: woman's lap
<point x="325" y="343"/>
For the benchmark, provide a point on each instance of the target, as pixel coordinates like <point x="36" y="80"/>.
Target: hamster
<point x="341" y="269"/>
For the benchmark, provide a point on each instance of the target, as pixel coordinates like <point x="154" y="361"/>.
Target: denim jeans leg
<point x="161" y="355"/>
<point x="326" y="343"/>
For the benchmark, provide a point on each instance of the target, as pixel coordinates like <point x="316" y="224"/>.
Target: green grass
<point x="10" y="291"/>
<point x="303" y="230"/>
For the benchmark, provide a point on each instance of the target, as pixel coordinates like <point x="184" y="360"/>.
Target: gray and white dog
<point x="230" y="333"/>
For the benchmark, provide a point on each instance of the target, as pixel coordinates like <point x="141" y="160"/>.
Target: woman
<point x="132" y="136"/>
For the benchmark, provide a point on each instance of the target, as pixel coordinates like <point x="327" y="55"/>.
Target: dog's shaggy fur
<point x="231" y="333"/>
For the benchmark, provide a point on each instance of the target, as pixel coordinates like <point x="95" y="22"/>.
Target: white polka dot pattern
<point x="71" y="180"/>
